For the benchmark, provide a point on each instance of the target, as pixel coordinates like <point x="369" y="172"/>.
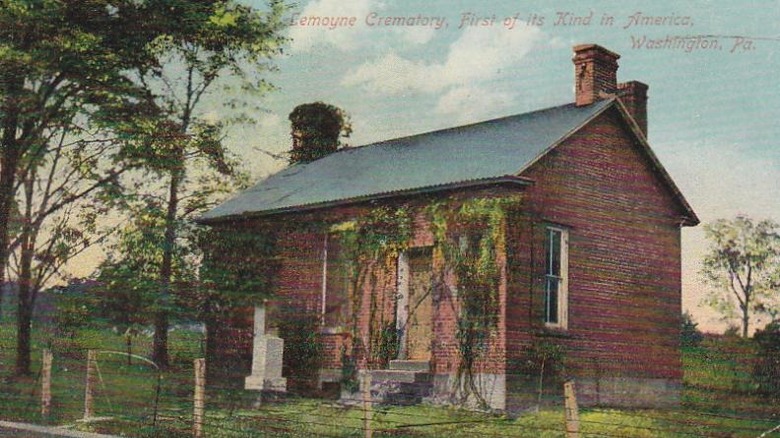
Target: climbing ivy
<point x="372" y="244"/>
<point x="468" y="240"/>
<point x="239" y="266"/>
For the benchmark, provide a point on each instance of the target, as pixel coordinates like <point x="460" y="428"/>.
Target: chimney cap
<point x="581" y="48"/>
<point x="633" y="86"/>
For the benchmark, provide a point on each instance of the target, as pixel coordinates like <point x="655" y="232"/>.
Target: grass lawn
<point x="718" y="399"/>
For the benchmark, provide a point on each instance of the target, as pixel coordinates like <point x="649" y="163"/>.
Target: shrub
<point x="74" y="311"/>
<point x="767" y="369"/>
<point x="690" y="336"/>
<point x="302" y="348"/>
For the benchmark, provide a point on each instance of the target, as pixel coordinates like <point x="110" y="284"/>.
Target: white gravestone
<point x="267" y="351"/>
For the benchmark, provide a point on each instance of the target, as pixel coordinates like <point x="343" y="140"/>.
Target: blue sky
<point x="714" y="113"/>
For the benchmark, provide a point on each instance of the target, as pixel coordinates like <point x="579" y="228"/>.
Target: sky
<point x="713" y="110"/>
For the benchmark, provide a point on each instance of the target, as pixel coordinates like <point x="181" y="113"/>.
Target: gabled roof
<point x="495" y="151"/>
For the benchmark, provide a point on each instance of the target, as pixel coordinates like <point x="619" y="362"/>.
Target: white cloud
<point x="393" y="75"/>
<point x="468" y="103"/>
<point x="475" y="63"/>
<point x="270" y="120"/>
<point x="416" y="35"/>
<point x="482" y="53"/>
<point x="306" y="38"/>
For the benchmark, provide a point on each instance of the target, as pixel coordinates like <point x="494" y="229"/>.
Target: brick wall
<point x="300" y="284"/>
<point x="624" y="257"/>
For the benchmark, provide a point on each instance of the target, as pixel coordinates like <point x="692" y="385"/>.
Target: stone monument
<point x="267" y="351"/>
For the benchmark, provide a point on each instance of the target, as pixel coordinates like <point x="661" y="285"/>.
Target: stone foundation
<point x="628" y="392"/>
<point x="491" y="387"/>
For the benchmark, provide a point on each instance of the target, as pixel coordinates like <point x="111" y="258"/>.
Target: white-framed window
<point x="556" y="283"/>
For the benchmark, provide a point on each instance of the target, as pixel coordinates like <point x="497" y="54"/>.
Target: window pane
<point x="551" y="300"/>
<point x="554" y="263"/>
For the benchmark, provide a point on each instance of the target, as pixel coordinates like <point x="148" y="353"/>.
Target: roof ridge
<point x="451" y="128"/>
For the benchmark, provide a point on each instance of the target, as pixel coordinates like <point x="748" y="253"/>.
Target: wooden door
<point x="419" y="332"/>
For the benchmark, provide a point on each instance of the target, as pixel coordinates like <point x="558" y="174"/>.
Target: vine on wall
<point x="372" y="244"/>
<point x="468" y="240"/>
<point x="467" y="243"/>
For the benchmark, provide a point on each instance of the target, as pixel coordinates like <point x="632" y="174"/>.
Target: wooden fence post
<point x="572" y="412"/>
<point x="368" y="404"/>
<point x="89" y="390"/>
<point x="46" y="383"/>
<point x="200" y="398"/>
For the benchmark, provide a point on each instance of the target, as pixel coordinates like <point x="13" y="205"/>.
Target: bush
<point x="767" y="368"/>
<point x="544" y="367"/>
<point x="302" y="348"/>
<point x="690" y="336"/>
<point x="74" y="311"/>
<point x="732" y="331"/>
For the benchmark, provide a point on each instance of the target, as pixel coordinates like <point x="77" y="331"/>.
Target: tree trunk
<point x="212" y="350"/>
<point x="160" y="348"/>
<point x="745" y="322"/>
<point x="9" y="162"/>
<point x="25" y="307"/>
<point x="23" y="332"/>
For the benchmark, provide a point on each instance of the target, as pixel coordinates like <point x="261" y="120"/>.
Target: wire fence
<point x="130" y="394"/>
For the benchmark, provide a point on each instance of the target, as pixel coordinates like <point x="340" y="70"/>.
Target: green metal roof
<point x="486" y="152"/>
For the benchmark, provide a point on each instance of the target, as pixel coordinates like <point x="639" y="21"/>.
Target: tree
<point x="58" y="207"/>
<point x="316" y="128"/>
<point x="59" y="61"/>
<point x="204" y="43"/>
<point x="128" y="278"/>
<point x="742" y="265"/>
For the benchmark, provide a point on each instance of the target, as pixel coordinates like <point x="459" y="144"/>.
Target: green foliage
<point x="316" y="128"/>
<point x="128" y="280"/>
<point x="767" y="368"/>
<point x="544" y="357"/>
<point x="720" y="364"/>
<point x="61" y="64"/>
<point x="469" y="239"/>
<point x="373" y="242"/>
<point x="239" y="267"/>
<point x="382" y="233"/>
<point x="302" y="347"/>
<point x="690" y="336"/>
<point x="204" y="46"/>
<point x="128" y="391"/>
<point x="743" y="266"/>
<point x="349" y="367"/>
<point x="545" y="360"/>
<point x="388" y="345"/>
<point x="74" y="311"/>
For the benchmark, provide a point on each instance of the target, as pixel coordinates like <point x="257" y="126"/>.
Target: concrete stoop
<point x="404" y="383"/>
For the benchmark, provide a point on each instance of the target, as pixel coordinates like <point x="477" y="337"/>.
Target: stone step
<point x="400" y="387"/>
<point x="400" y="376"/>
<point x="420" y="366"/>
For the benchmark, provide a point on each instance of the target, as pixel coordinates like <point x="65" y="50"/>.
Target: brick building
<point x="589" y="260"/>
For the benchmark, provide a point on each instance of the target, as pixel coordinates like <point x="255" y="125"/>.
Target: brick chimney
<point x="633" y="94"/>
<point x="595" y="73"/>
<point x="595" y="78"/>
